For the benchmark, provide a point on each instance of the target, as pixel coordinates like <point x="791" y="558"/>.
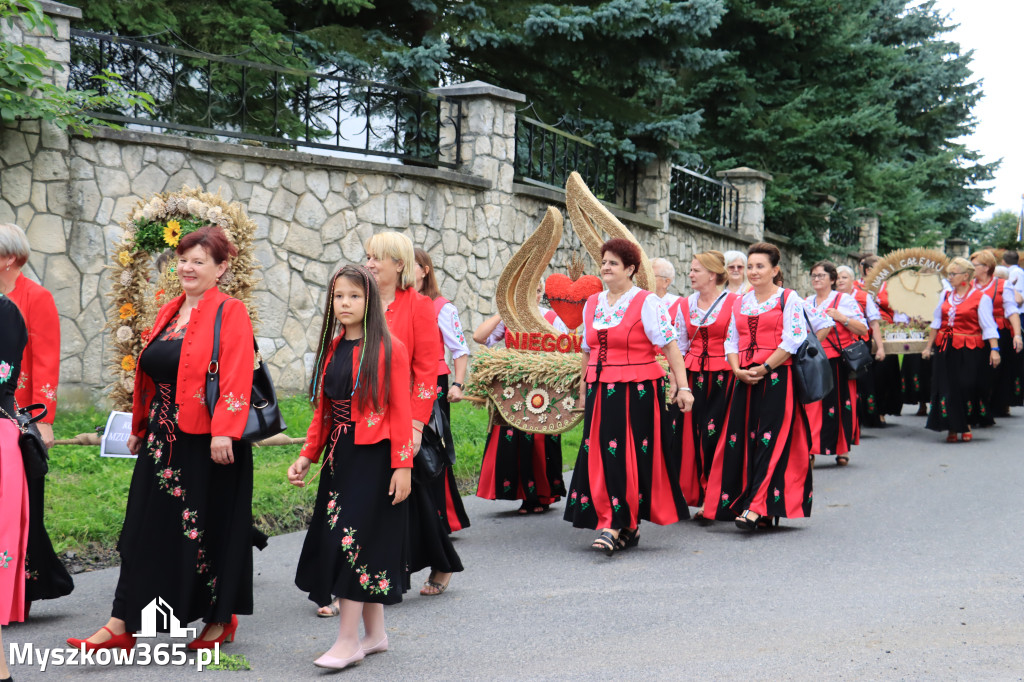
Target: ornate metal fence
<point x="704" y="198"/>
<point x="279" y="106"/>
<point x="546" y="155"/>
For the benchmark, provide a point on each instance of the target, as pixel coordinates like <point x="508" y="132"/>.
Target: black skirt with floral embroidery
<point x="187" y="535"/>
<point x="356" y="547"/>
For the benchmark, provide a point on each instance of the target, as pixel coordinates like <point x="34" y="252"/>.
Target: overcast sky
<point x="992" y="29"/>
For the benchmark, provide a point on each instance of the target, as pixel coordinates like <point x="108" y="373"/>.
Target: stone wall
<point x="313" y="212"/>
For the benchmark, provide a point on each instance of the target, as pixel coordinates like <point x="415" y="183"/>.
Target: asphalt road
<point x="909" y="569"/>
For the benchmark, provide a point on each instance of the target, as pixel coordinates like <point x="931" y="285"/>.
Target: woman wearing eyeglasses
<point x="966" y="341"/>
<point x="1007" y="317"/>
<point x="736" y="272"/>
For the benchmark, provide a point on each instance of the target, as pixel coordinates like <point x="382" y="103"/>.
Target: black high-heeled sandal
<point x="744" y="522"/>
<point x="628" y="538"/>
<point x="605" y="542"/>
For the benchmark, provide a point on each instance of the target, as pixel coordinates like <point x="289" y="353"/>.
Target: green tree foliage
<point x="860" y="100"/>
<point x="1000" y="231"/>
<point x="26" y="87"/>
<point x="611" y="69"/>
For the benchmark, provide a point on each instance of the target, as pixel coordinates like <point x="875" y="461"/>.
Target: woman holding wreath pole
<point x="835" y="416"/>
<point x="623" y="472"/>
<point x="966" y="341"/>
<point x="517" y="465"/>
<point x="762" y="463"/>
<point x="1007" y="317"/>
<point x="702" y="321"/>
<point x="187" y="536"/>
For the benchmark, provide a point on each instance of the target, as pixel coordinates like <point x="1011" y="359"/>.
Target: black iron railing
<point x="278" y="106"/>
<point x="844" y="234"/>
<point x="546" y="155"/>
<point x="704" y="198"/>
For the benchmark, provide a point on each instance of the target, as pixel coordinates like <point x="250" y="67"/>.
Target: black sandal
<point x="744" y="522"/>
<point x="767" y="522"/>
<point x="628" y="538"/>
<point x="605" y="542"/>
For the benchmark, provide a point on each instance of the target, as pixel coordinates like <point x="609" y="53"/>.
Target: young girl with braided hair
<point x="362" y="424"/>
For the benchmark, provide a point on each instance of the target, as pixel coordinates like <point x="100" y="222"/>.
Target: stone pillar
<point x="957" y="247"/>
<point x="752" y="185"/>
<point x="488" y="131"/>
<point x="869" y="230"/>
<point x="654" y="194"/>
<point x="35" y="193"/>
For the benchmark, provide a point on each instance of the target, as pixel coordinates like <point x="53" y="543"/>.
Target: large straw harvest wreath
<point x="154" y="227"/>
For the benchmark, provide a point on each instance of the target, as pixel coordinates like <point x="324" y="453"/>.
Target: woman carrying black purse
<point x="761" y="467"/>
<point x="834" y="419"/>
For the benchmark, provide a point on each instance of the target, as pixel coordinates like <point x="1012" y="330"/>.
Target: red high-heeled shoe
<point x="125" y="641"/>
<point x="228" y="635"/>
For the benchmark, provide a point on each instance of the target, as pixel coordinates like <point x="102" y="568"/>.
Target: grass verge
<point x="86" y="493"/>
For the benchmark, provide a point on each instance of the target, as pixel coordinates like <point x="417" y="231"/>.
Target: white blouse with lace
<point x="451" y="331"/>
<point x="657" y="325"/>
<point x="794" y="330"/>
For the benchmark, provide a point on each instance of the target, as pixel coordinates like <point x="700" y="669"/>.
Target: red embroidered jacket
<point x="411" y="318"/>
<point x="707" y="344"/>
<point x="40" y="363"/>
<point x="236" y="366"/>
<point x="394" y="422"/>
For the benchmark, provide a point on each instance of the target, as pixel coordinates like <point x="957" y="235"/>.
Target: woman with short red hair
<point x="623" y="471"/>
<point x="187" y="536"/>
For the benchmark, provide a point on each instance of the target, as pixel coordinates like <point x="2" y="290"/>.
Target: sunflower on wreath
<point x="154" y="227"/>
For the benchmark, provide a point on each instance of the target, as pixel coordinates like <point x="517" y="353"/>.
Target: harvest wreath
<point x="154" y="227"/>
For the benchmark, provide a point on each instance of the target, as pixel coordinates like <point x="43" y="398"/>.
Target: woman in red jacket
<point x="363" y="423"/>
<point x="45" y="575"/>
<point x="187" y="535"/>
<point x="391" y="259"/>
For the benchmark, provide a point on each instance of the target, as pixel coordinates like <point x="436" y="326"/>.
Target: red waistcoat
<point x="393" y="422"/>
<point x="994" y="290"/>
<point x="861" y="297"/>
<point x="707" y="344"/>
<point x="623" y="352"/>
<point x="966" y="330"/>
<point x="883" y="303"/>
<point x="442" y="366"/>
<point x="236" y="361"/>
<point x="760" y="335"/>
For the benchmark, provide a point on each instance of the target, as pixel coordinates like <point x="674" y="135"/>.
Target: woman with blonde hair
<point x="702" y="320"/>
<point x="391" y="258"/>
<point x="1006" y="379"/>
<point x="966" y="341"/>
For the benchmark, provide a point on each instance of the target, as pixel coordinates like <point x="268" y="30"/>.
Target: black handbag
<point x="265" y="418"/>
<point x="30" y="441"/>
<point x="811" y="368"/>
<point x="436" y="451"/>
<point x="856" y="357"/>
